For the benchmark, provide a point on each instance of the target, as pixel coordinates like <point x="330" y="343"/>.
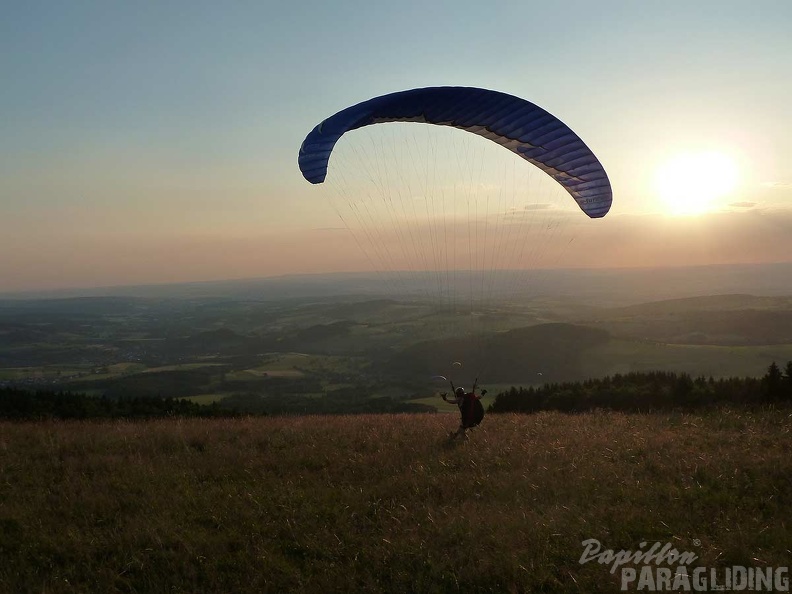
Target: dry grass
<point x="383" y="503"/>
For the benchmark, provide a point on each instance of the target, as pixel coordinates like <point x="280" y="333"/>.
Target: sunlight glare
<point x="690" y="183"/>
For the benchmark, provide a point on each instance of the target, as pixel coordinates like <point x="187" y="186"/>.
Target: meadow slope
<point x="384" y="503"/>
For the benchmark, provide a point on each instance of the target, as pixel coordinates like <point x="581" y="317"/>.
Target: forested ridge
<point x="652" y="391"/>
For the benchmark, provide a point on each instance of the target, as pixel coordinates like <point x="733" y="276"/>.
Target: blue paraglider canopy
<point x="516" y="124"/>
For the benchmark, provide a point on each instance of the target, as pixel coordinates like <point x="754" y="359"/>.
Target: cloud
<point x="516" y="211"/>
<point x="778" y="185"/>
<point x="742" y="204"/>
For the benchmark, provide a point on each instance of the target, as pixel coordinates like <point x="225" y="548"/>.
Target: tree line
<point x="18" y="404"/>
<point x="631" y="392"/>
<point x="658" y="390"/>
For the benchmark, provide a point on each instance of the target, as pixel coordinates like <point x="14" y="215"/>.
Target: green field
<point x="436" y="401"/>
<point x="385" y="503"/>
<point x="623" y="356"/>
<point x="205" y="399"/>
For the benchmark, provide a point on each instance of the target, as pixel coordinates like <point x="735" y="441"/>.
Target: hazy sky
<point x="157" y="141"/>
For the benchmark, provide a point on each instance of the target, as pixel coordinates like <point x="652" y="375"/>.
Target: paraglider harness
<point x="470" y="406"/>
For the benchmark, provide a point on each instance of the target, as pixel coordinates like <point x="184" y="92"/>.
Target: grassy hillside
<point x="384" y="503"/>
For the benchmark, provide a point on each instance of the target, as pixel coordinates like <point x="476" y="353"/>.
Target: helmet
<point x="460" y="391"/>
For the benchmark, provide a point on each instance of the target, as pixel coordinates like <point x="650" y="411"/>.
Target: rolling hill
<point x="725" y="320"/>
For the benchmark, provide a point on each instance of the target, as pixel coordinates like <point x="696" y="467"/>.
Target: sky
<point x="156" y="142"/>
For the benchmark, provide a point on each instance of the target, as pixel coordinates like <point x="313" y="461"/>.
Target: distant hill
<point x="602" y="287"/>
<point x="546" y="352"/>
<point x="714" y="320"/>
<point x="708" y="303"/>
<point x="213" y="346"/>
<point x="560" y="352"/>
<point x="219" y="340"/>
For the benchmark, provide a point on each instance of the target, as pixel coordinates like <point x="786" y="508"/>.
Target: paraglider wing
<point x="514" y="123"/>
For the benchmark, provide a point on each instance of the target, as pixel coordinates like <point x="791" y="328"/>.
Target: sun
<point x="691" y="183"/>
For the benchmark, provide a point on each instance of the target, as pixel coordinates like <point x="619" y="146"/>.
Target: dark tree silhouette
<point x="658" y="390"/>
<point x="787" y="382"/>
<point x="771" y="383"/>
